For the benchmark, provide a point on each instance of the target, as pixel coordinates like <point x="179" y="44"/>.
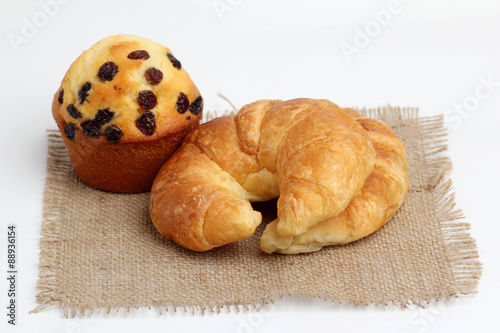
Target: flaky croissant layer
<point x="338" y="176"/>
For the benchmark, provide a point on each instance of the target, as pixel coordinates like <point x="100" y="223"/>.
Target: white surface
<point x="432" y="54"/>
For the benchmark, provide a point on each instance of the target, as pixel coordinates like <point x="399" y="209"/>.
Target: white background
<point x="430" y="54"/>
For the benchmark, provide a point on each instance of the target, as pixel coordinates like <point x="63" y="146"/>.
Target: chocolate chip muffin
<point x="122" y="109"/>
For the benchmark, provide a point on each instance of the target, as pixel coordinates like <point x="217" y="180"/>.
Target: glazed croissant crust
<point x="338" y="176"/>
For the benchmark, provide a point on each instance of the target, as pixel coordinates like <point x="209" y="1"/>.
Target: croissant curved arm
<point x="198" y="205"/>
<point x="382" y="195"/>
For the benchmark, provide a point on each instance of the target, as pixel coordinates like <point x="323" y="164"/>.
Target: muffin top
<point x="126" y="89"/>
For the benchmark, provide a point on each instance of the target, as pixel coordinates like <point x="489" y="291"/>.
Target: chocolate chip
<point x="103" y="116"/>
<point x="182" y="104"/>
<point x="113" y="133"/>
<point x="188" y="117"/>
<point x="108" y="71"/>
<point x="70" y="131"/>
<point x="175" y="62"/>
<point x="90" y="128"/>
<point x="139" y="54"/>
<point x="73" y="112"/>
<point x="153" y="75"/>
<point x="146" y="123"/>
<point x="84" y="92"/>
<point x="196" y="106"/>
<point x="147" y="99"/>
<point x="60" y="96"/>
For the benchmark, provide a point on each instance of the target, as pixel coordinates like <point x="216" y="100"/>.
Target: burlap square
<point x="100" y="250"/>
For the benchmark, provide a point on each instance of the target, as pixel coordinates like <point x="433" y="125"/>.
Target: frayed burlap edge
<point x="50" y="266"/>
<point x="461" y="247"/>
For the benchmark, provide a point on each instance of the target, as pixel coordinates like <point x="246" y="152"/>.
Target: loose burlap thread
<point x="100" y="250"/>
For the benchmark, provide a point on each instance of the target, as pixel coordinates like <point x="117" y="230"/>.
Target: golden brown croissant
<point x="381" y="196"/>
<point x="312" y="154"/>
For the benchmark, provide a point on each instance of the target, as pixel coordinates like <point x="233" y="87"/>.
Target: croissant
<point x="382" y="195"/>
<point x="313" y="155"/>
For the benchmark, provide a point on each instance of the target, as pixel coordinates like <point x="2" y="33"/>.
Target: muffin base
<point x="129" y="167"/>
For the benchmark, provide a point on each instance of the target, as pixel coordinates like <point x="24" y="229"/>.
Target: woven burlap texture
<point x="100" y="250"/>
